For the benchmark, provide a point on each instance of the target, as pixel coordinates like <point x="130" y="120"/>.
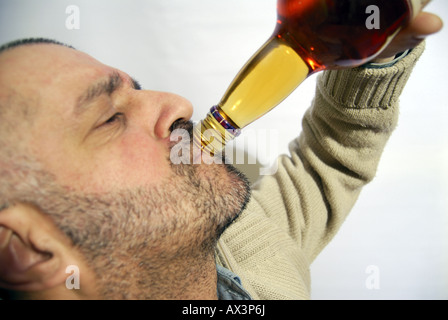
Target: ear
<point x="33" y="253"/>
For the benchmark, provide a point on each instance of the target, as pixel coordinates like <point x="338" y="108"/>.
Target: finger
<point x="421" y="27"/>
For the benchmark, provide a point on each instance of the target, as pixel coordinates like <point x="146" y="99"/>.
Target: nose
<point x="173" y="108"/>
<point x="168" y="108"/>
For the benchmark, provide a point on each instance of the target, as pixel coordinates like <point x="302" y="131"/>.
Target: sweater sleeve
<point x="294" y="213"/>
<point x="344" y="134"/>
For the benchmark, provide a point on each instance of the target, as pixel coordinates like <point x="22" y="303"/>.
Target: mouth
<point x="182" y="148"/>
<point x="182" y="140"/>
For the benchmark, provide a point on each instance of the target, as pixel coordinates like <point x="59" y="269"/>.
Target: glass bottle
<point x="310" y="36"/>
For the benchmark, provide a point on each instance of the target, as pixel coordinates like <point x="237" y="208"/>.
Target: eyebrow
<point x="107" y="86"/>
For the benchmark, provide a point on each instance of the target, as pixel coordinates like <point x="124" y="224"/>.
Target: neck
<point x="188" y="280"/>
<point x="191" y="277"/>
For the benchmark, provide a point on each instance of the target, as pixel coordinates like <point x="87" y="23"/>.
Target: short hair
<point x="17" y="169"/>
<point x="14" y="161"/>
<point x="27" y="41"/>
<point x="13" y="98"/>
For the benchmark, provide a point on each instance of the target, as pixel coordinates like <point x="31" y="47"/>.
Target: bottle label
<point x="417" y="6"/>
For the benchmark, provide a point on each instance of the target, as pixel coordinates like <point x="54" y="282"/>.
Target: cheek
<point x="141" y="160"/>
<point x="133" y="161"/>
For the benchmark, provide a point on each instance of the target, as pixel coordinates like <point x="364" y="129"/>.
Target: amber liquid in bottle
<point x="310" y="36"/>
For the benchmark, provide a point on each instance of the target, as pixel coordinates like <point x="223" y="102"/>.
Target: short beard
<point x="140" y="232"/>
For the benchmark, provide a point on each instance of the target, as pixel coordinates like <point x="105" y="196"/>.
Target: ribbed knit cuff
<point x="362" y="88"/>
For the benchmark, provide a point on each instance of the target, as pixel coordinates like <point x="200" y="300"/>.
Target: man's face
<point x="104" y="147"/>
<point x="92" y="127"/>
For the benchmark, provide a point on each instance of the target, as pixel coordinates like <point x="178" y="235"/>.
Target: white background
<point x="195" y="47"/>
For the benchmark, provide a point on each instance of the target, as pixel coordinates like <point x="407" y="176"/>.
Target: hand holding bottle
<point x="420" y="27"/>
<point x="312" y="36"/>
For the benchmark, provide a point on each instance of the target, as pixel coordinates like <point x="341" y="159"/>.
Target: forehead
<point x="49" y="73"/>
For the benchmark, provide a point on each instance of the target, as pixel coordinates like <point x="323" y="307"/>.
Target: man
<point x="87" y="183"/>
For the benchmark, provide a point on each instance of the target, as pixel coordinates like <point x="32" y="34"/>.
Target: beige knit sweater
<point x="294" y="214"/>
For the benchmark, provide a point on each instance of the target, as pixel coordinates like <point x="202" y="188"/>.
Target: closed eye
<point x="117" y="117"/>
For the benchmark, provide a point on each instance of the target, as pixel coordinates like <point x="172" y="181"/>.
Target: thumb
<point x="422" y="26"/>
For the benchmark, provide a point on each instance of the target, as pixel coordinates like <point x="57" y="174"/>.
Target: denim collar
<point x="229" y="286"/>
